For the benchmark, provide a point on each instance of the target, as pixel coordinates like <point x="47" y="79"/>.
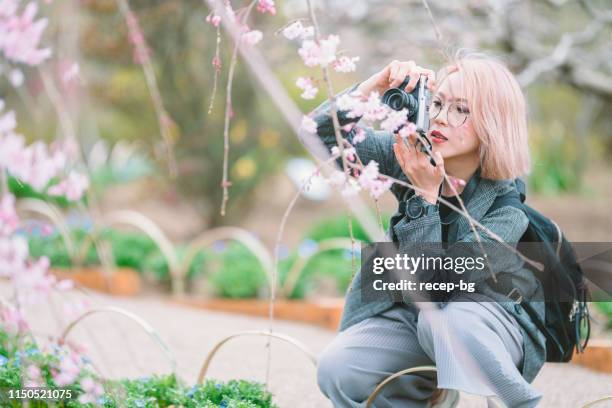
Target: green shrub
<point x="17" y="353"/>
<point x="606" y="309"/>
<point x="235" y="272"/>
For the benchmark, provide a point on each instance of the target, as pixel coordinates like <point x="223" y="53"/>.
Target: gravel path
<point x="119" y="348"/>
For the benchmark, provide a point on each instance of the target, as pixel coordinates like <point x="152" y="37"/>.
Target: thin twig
<point x="217" y="66"/>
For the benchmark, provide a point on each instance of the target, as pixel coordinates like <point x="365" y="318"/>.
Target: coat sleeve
<point x="423" y="236"/>
<point x="377" y="146"/>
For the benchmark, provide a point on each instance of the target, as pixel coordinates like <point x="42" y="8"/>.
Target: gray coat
<point x="507" y="222"/>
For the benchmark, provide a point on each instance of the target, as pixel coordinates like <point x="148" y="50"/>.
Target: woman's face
<point x="451" y="131"/>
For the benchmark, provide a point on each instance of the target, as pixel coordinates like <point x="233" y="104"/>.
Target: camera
<point x="417" y="103"/>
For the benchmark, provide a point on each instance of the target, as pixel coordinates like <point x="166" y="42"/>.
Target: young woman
<point x="487" y="346"/>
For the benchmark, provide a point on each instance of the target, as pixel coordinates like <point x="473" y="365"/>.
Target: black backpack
<point x="566" y="325"/>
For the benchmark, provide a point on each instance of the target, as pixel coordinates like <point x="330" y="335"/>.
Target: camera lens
<point x="396" y="99"/>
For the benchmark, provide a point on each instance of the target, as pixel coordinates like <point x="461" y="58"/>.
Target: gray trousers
<point x="476" y="347"/>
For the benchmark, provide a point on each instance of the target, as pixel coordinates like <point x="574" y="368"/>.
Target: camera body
<point x="417" y="102"/>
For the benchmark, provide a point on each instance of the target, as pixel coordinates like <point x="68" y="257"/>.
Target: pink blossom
<point x="13" y="255"/>
<point x="252" y="37"/>
<point x="20" y="35"/>
<point x="372" y="109"/>
<point x="337" y="178"/>
<point x="34" y="376"/>
<point x="12" y="320"/>
<point x="7" y="122"/>
<point x="266" y="6"/>
<point x="92" y="391"/>
<point x="216" y="63"/>
<point x="407" y="130"/>
<point x="360" y="135"/>
<point x="64" y="285"/>
<point x="297" y="30"/>
<point x="350" y="188"/>
<point x="68" y="370"/>
<point x="308" y="87"/>
<point x="394" y="120"/>
<point x="321" y="54"/>
<point x="16" y="77"/>
<point x="213" y="19"/>
<point x="73" y="187"/>
<point x="370" y="180"/>
<point x="8" y="215"/>
<point x="71" y="73"/>
<point x="345" y="64"/>
<point x="309" y="125"/>
<point x="348" y="152"/>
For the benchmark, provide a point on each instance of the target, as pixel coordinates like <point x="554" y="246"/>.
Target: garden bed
<point x="324" y="313"/>
<point x="121" y="281"/>
<point x="597" y="356"/>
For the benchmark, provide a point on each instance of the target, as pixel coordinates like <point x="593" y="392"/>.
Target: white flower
<point x="252" y="37"/>
<point x="394" y="120"/>
<point x="345" y="64"/>
<point x="309" y="125"/>
<point x="296" y="30"/>
<point x="307" y="86"/>
<point x="321" y="54"/>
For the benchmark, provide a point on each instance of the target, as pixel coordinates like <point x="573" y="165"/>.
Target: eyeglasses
<point x="456" y="115"/>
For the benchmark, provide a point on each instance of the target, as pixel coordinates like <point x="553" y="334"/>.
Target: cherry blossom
<point x="12" y="319"/>
<point x="309" y="125"/>
<point x="68" y="370"/>
<point x="308" y="87"/>
<point x="297" y="30"/>
<point x="8" y="215"/>
<point x="395" y="119"/>
<point x="213" y="19"/>
<point x="92" y="391"/>
<point x="73" y="187"/>
<point x="20" y="35"/>
<point x="252" y="37"/>
<point x="370" y="180"/>
<point x="266" y="6"/>
<point x="322" y="54"/>
<point x="34" y="377"/>
<point x="345" y="64"/>
<point x="71" y="73"/>
<point x="407" y="130"/>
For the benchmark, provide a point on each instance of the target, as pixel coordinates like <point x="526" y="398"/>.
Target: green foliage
<point x="235" y="272"/>
<point x="24" y="190"/>
<point x="18" y="352"/>
<point x="130" y="250"/>
<point x="338" y="226"/>
<point x="606" y="309"/>
<point x="559" y="148"/>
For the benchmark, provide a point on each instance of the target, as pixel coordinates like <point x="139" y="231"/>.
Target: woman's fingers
<point x="394" y="68"/>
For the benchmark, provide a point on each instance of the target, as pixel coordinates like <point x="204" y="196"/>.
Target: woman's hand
<point x="416" y="166"/>
<point x="393" y="75"/>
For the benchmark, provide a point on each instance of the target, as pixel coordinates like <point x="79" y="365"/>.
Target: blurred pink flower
<point x="73" y="187"/>
<point x="345" y="64"/>
<point x="266" y="6"/>
<point x="12" y="320"/>
<point x="13" y="255"/>
<point x="322" y="53"/>
<point x="394" y="120"/>
<point x="92" y="391"/>
<point x="308" y="87"/>
<point x="252" y="37"/>
<point x="309" y="125"/>
<point x="68" y="370"/>
<point x="213" y="19"/>
<point x="8" y="215"/>
<point x="296" y="29"/>
<point x="20" y="35"/>
<point x="34" y="377"/>
<point x="71" y="73"/>
<point x="407" y="130"/>
<point x="370" y="180"/>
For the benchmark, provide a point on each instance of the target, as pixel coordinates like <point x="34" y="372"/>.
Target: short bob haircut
<point x="498" y="113"/>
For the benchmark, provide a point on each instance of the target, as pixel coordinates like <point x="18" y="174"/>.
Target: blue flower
<point x="140" y="403"/>
<point x="307" y="248"/>
<point x="192" y="391"/>
<point x="3" y="360"/>
<point x="218" y="386"/>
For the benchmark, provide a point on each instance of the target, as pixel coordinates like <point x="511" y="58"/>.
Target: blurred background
<point x="559" y="50"/>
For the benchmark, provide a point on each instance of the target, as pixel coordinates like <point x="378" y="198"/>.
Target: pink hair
<point x="498" y="113"/>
